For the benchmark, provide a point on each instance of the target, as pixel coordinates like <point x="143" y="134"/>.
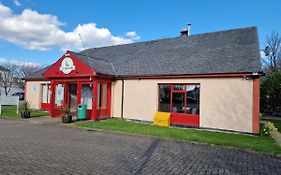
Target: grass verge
<point x="255" y="143"/>
<point x="10" y="112"/>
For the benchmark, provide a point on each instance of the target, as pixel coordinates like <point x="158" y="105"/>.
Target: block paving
<point x="44" y="148"/>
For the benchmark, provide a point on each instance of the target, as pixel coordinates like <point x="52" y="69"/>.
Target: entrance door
<point x="73" y="97"/>
<point x="58" y="102"/>
<point x="103" y="100"/>
<point x="87" y="97"/>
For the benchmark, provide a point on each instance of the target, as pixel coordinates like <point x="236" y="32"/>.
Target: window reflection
<point x="185" y="98"/>
<point x="178" y="102"/>
<point x="178" y="87"/>
<point x="164" y="98"/>
<point x="192" y="99"/>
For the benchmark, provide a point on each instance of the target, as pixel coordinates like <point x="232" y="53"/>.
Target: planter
<point x="67" y="118"/>
<point x="25" y="114"/>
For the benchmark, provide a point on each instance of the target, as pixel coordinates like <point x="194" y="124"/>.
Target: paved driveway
<point x="42" y="148"/>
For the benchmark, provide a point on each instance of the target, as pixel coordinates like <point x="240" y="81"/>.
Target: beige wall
<point x="33" y="93"/>
<point x="225" y="103"/>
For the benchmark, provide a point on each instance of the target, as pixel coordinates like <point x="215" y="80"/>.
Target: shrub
<point x="271" y="94"/>
<point x="265" y="129"/>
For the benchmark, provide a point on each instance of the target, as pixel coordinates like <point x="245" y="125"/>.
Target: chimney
<point x="186" y="31"/>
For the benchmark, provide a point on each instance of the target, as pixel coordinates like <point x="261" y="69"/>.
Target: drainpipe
<point x="122" y="101"/>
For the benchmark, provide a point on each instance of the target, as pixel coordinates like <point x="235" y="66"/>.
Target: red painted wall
<point x="81" y="69"/>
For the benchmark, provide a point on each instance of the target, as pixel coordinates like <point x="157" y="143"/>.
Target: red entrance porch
<point x="72" y="83"/>
<point x="69" y="93"/>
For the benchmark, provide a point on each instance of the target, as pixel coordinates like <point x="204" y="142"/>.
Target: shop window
<point x="178" y="87"/>
<point x="192" y="99"/>
<point x="46" y="93"/>
<point x="164" y="98"/>
<point x="178" y="102"/>
<point x="185" y="98"/>
<point x="86" y="96"/>
<point x="59" y="94"/>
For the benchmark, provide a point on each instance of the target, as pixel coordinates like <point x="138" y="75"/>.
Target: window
<point x="192" y="99"/>
<point x="185" y="98"/>
<point x="164" y="98"/>
<point x="86" y="96"/>
<point x="178" y="102"/>
<point x="46" y="93"/>
<point x="59" y="94"/>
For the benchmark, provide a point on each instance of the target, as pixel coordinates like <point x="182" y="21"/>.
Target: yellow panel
<point x="162" y="119"/>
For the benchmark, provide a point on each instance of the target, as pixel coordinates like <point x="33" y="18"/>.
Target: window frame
<point x="172" y="90"/>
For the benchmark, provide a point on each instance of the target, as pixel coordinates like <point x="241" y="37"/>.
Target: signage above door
<point x="67" y="65"/>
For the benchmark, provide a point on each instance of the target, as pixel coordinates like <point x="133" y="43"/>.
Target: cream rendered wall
<point x="225" y="103"/>
<point x="33" y="93"/>
<point x="116" y="98"/>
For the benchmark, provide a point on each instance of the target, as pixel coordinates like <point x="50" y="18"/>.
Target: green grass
<point x="256" y="143"/>
<point x="11" y="112"/>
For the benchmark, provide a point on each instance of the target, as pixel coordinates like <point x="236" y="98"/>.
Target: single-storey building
<point x="209" y="80"/>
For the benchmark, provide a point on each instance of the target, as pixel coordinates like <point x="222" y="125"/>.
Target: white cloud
<point x="36" y="31"/>
<point x="262" y="55"/>
<point x="17" y="3"/>
<point x="19" y="63"/>
<point x="133" y="35"/>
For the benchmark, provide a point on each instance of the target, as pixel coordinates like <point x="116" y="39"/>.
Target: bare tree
<point x="7" y="77"/>
<point x="273" y="52"/>
<point x="23" y="71"/>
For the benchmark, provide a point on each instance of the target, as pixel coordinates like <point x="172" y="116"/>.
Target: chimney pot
<point x="186" y="31"/>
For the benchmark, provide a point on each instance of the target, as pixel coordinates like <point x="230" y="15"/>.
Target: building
<point x="207" y="80"/>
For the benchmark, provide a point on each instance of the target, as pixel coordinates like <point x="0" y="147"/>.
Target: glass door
<point x="72" y="97"/>
<point x="103" y="99"/>
<point x="58" y="104"/>
<point x="87" y="97"/>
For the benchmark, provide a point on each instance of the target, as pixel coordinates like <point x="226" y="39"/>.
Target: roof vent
<point x="186" y="31"/>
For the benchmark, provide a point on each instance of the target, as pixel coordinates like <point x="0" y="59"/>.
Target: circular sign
<point x="67" y="65"/>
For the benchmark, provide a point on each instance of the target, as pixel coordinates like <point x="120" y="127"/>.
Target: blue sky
<point x="39" y="31"/>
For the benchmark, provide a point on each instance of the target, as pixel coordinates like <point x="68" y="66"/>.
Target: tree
<point x="7" y="77"/>
<point x="271" y="94"/>
<point x="273" y="52"/>
<point x="23" y="71"/>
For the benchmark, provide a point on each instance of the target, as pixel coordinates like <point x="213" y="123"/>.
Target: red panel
<point x="256" y="106"/>
<point x="102" y="112"/>
<point x="81" y="69"/>
<point x="94" y="104"/>
<point x="88" y="114"/>
<point x="185" y="119"/>
<point x="46" y="106"/>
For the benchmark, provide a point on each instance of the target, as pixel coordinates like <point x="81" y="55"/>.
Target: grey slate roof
<point x="230" y="51"/>
<point x="38" y="74"/>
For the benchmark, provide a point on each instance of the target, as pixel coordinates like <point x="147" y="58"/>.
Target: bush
<point x="271" y="94"/>
<point x="265" y="129"/>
